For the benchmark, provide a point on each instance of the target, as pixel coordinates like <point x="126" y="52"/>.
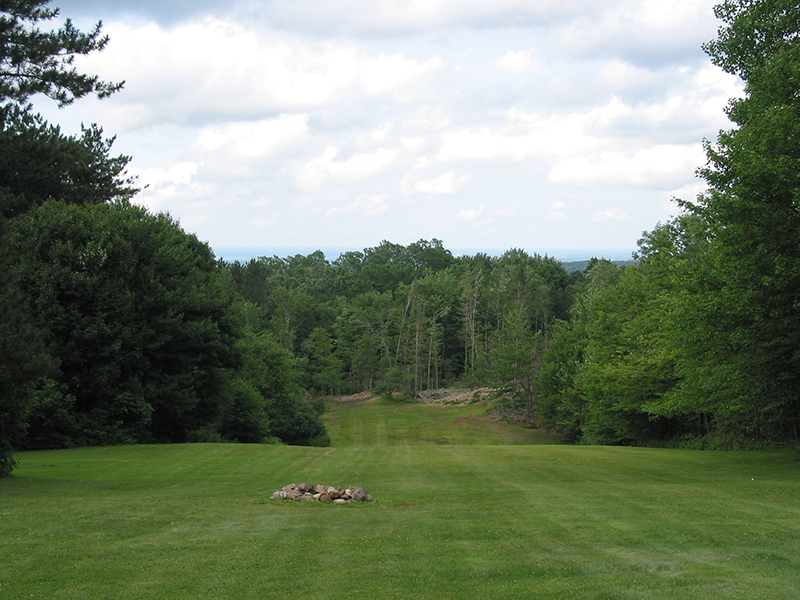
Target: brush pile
<point x="321" y="493"/>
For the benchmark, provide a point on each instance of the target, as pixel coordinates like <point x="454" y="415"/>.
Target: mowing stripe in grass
<point x="500" y="521"/>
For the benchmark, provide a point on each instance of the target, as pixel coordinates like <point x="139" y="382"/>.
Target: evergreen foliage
<point x="33" y="61"/>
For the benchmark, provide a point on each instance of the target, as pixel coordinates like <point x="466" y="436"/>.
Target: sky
<point x="556" y="126"/>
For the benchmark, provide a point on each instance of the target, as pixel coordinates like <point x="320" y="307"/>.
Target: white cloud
<point x="585" y="149"/>
<point x="370" y="17"/>
<point x="388" y="73"/>
<point x="639" y="30"/>
<point x="378" y="134"/>
<point x="369" y="205"/>
<point x="325" y="168"/>
<point x="180" y="174"/>
<point x="471" y="214"/>
<point x="525" y="136"/>
<point x="195" y="70"/>
<point x="515" y="62"/>
<point x="500" y="110"/>
<point x="662" y="167"/>
<point x="161" y="186"/>
<point x="510" y="210"/>
<point x="446" y="183"/>
<point x="610" y="213"/>
<point x="668" y="14"/>
<point x="619" y="75"/>
<point x="556" y="211"/>
<point x="254" y="139"/>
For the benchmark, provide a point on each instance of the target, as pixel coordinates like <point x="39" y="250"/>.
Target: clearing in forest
<point x="442" y="417"/>
<point x="449" y="520"/>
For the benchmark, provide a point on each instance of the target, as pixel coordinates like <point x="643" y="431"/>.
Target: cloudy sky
<point x="551" y="125"/>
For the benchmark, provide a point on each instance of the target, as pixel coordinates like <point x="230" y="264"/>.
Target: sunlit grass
<point x="498" y="521"/>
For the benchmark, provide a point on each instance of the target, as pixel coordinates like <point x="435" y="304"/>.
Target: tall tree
<point x="23" y="360"/>
<point x="136" y="313"/>
<point x="748" y="330"/>
<point x="33" y="62"/>
<point x="39" y="162"/>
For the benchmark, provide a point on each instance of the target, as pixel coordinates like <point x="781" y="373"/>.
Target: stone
<point x="306" y="492"/>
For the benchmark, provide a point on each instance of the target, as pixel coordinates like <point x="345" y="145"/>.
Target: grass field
<point x="450" y="520"/>
<point x="378" y="422"/>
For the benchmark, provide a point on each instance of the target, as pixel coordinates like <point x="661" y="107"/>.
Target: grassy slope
<point x="497" y="521"/>
<point x="385" y="423"/>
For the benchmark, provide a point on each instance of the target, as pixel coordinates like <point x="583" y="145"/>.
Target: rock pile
<point x="321" y="493"/>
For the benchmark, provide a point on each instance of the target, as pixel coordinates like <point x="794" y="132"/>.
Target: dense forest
<point x="117" y="326"/>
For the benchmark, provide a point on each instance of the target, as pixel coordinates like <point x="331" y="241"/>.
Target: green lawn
<point x="379" y="422"/>
<point x="449" y="521"/>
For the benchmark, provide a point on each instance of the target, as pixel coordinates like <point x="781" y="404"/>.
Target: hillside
<point x="442" y="417"/>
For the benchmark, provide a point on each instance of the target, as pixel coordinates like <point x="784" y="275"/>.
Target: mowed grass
<point x="449" y="521"/>
<point x="381" y="422"/>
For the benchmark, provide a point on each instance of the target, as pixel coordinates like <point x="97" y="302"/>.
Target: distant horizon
<point x="245" y="253"/>
<point x="565" y="125"/>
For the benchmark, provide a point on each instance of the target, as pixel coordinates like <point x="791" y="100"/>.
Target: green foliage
<point x="561" y="405"/>
<point x="33" y="61"/>
<point x="296" y="421"/>
<point x="243" y="415"/>
<point x="322" y="365"/>
<point x="38" y="162"/>
<point x="136" y="313"/>
<point x="754" y="31"/>
<point x="747" y="307"/>
<point x="405" y="319"/>
<point x="23" y="359"/>
<point x="51" y="418"/>
<point x="271" y="372"/>
<point x="700" y="339"/>
<point x="515" y="359"/>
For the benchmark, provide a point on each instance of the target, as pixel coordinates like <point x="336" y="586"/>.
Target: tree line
<point x="409" y="318"/>
<point x="700" y="340"/>
<point x="694" y="343"/>
<point x="116" y="326"/>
